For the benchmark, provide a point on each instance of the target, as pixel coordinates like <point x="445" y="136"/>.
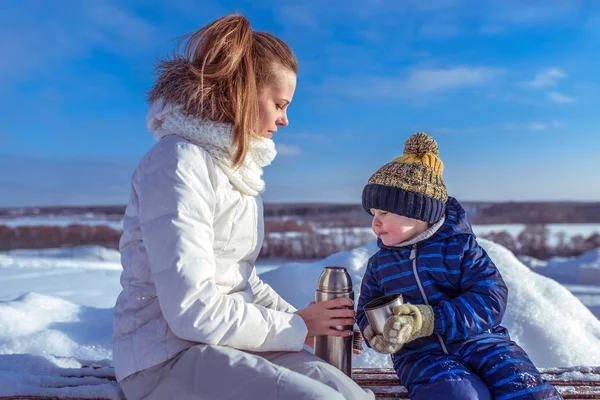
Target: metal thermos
<point x="335" y="282"/>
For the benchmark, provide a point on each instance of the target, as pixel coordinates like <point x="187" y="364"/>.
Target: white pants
<point x="214" y="372"/>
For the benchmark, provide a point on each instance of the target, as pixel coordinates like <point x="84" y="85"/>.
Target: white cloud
<point x="561" y="98"/>
<point x="437" y="29"/>
<point x="509" y="126"/>
<point x="116" y="28"/>
<point x="417" y="81"/>
<point x="288" y="150"/>
<point x="537" y="126"/>
<point x="543" y="126"/>
<point x="523" y="12"/>
<point x="593" y="24"/>
<point x="312" y="137"/>
<point x="457" y="131"/>
<point x="546" y="78"/>
<point x="299" y="15"/>
<point x="370" y="8"/>
<point x="47" y="38"/>
<point x="437" y="18"/>
<point x="432" y="80"/>
<point x="492" y="29"/>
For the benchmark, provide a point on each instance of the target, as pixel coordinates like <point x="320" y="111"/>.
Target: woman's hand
<point x="321" y="318"/>
<point x="310" y="342"/>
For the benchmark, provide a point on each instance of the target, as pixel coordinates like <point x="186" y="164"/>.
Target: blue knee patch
<point x="469" y="388"/>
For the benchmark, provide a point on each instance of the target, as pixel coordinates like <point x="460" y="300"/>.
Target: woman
<point x="194" y="320"/>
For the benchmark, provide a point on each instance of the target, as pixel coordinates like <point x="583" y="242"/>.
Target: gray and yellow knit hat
<point x="410" y="185"/>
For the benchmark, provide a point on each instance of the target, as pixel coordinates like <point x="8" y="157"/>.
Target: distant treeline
<point x="480" y="213"/>
<point x="533" y="241"/>
<point x="45" y="237"/>
<point x="293" y="230"/>
<point x="352" y="215"/>
<point x="534" y="213"/>
<point x="108" y="211"/>
<point x="292" y="239"/>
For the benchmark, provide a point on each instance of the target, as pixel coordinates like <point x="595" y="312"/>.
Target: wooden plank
<point x="382" y="381"/>
<point x="383" y="393"/>
<point x="549" y="371"/>
<point x="387" y="380"/>
<point x="50" y="398"/>
<point x="385" y="384"/>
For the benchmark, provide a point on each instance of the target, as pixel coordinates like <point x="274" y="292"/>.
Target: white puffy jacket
<point x="188" y="249"/>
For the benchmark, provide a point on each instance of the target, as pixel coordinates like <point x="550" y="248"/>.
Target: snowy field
<point x="56" y="309"/>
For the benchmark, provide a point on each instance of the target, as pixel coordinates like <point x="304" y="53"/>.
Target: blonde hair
<point x="219" y="73"/>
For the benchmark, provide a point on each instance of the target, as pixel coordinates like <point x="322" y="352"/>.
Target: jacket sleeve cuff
<point x="439" y="326"/>
<point x="299" y="332"/>
<point x="290" y="309"/>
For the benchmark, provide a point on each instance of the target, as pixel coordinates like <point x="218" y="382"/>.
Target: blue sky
<point x="508" y="88"/>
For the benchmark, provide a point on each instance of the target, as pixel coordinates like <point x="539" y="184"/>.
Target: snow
<point x="24" y="374"/>
<point x="41" y="324"/>
<point x="582" y="373"/>
<point x="582" y="269"/>
<point x="86" y="252"/>
<point x="41" y="336"/>
<point x="56" y="314"/>
<point x="588" y="295"/>
<point x="342" y="231"/>
<point x="544" y="318"/>
<point x="87" y="276"/>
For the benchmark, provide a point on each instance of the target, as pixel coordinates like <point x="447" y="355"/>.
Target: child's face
<point x="393" y="228"/>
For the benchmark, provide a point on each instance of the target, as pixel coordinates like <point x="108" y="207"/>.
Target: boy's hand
<point x="408" y="323"/>
<point x="357" y="343"/>
<point x="379" y="343"/>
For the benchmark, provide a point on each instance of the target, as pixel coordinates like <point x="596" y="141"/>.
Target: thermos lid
<point x="335" y="279"/>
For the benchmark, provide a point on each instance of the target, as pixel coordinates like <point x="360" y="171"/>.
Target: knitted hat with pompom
<point x="410" y="185"/>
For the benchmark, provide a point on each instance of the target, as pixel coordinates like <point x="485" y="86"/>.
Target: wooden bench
<point x="572" y="383"/>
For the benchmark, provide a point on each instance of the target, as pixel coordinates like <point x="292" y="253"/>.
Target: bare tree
<point x="533" y="241"/>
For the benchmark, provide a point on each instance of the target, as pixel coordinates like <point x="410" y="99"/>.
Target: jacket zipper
<point x="413" y="257"/>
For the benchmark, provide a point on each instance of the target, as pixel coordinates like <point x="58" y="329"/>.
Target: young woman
<point x="194" y="321"/>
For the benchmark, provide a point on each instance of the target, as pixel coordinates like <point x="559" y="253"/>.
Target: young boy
<point x="446" y="340"/>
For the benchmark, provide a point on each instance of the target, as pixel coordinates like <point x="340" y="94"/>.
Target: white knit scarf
<point x="216" y="139"/>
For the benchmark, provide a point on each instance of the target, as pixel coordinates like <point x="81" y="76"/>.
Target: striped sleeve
<point x="482" y="302"/>
<point x="369" y="290"/>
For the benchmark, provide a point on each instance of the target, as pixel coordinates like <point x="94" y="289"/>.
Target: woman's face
<point x="273" y="101"/>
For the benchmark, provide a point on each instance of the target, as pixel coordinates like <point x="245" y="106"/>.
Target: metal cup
<point x="380" y="309"/>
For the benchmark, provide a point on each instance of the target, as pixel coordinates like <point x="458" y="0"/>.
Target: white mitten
<point x="379" y="343"/>
<point x="408" y="323"/>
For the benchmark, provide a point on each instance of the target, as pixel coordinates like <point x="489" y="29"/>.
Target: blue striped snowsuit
<point x="470" y="355"/>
